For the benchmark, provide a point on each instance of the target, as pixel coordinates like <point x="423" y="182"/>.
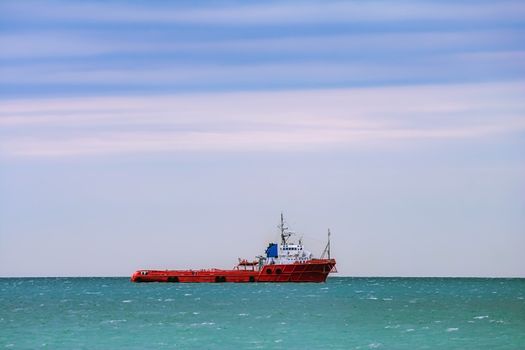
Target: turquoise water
<point x="344" y="313"/>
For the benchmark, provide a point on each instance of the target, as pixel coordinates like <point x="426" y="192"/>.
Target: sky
<point x="155" y="134"/>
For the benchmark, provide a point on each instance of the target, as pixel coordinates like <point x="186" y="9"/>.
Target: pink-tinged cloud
<point x="260" y="121"/>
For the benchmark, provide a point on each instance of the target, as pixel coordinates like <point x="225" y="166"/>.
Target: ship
<point x="282" y="262"/>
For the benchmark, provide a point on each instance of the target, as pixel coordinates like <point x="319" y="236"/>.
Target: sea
<point x="343" y="313"/>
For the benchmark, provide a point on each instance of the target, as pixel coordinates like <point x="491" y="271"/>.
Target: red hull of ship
<point x="315" y="270"/>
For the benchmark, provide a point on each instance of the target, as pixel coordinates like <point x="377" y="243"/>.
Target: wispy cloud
<point x="89" y="43"/>
<point x="447" y="67"/>
<point x="281" y="12"/>
<point x="259" y="121"/>
<point x="88" y="47"/>
<point x="61" y="47"/>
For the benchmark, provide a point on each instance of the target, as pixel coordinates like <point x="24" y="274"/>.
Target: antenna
<point x="284" y="233"/>
<point x="328" y="243"/>
<point x="326" y="250"/>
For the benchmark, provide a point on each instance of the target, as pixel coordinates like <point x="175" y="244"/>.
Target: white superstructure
<point x="290" y="253"/>
<point x="286" y="252"/>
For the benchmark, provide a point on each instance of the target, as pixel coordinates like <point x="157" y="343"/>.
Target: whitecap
<point x="126" y="301"/>
<point x="410" y="330"/>
<point x="480" y="317"/>
<point x="187" y="294"/>
<point x="372" y="298"/>
<point x="242" y="315"/>
<point x="452" y="329"/>
<point x="374" y="345"/>
<point x="278" y="340"/>
<point x="196" y="313"/>
<point x="113" y="321"/>
<point x="388" y="299"/>
<point x="389" y="326"/>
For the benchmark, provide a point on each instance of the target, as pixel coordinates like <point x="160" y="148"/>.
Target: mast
<point x="284" y="231"/>
<point x="328" y="243"/>
<point x="326" y="250"/>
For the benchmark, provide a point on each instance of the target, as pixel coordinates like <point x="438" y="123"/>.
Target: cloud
<point x="91" y="43"/>
<point x="42" y="50"/>
<point x="259" y="121"/>
<point x="271" y="13"/>
<point x="448" y="66"/>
